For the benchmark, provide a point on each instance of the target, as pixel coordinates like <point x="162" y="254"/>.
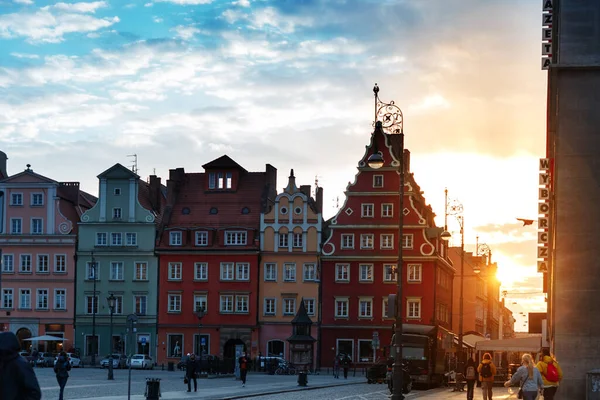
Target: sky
<point x="84" y="85"/>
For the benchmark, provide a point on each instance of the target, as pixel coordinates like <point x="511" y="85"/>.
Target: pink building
<point x="38" y="223"/>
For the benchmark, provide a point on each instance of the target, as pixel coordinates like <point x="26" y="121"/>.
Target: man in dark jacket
<point x="191" y="372"/>
<point x="17" y="379"/>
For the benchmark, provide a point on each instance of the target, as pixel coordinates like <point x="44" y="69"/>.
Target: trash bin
<point x="171" y="366"/>
<point x="152" y="388"/>
<point x="593" y="385"/>
<point x="302" y="378"/>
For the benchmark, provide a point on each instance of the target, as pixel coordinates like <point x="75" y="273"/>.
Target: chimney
<point x="69" y="191"/>
<point x="305" y="189"/>
<point x="175" y="180"/>
<point x="319" y="199"/>
<point x="271" y="181"/>
<point x="406" y="160"/>
<point x="3" y="158"/>
<point x="154" y="192"/>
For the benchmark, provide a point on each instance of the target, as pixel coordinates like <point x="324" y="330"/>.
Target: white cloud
<point x="23" y="55"/>
<point x="338" y="45"/>
<point x="77" y="7"/>
<point x="156" y="19"/>
<point x="185" y="2"/>
<point x="23" y="1"/>
<point x="185" y="32"/>
<point x="241" y="3"/>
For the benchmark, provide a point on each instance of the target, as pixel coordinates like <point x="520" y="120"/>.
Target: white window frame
<point x="229" y="303"/>
<point x="101" y="239"/>
<point x="39" y="295"/>
<point x="227" y="271"/>
<point x="340" y="276"/>
<point x="14" y="231"/>
<point x="270" y="272"/>
<point x="8" y="299"/>
<point x="117" y="213"/>
<point x="174" y="303"/>
<point x="344" y="300"/>
<point x="14" y="196"/>
<point x="60" y="263"/>
<point x="242" y="271"/>
<point x="140" y="271"/>
<point x="37" y="226"/>
<point x="389" y="273"/>
<point x="88" y="271"/>
<point x="384" y="308"/>
<point x="347" y="241"/>
<point x="116" y="239"/>
<point x="367" y="210"/>
<point x="291" y="277"/>
<point x="131" y="239"/>
<point x="22" y="258"/>
<point x="175" y="271"/>
<point x="366" y="267"/>
<point x="175" y="238"/>
<point x="22" y="292"/>
<point x="37" y="195"/>
<point x="309" y="272"/>
<point x="367" y="241"/>
<point x="142" y="309"/>
<point x="244" y="300"/>
<point x="284" y="240"/>
<point x="118" y="305"/>
<point x="414" y="273"/>
<point x="273" y="302"/>
<point x="201" y="238"/>
<point x="8" y="267"/>
<point x="407" y="241"/>
<point x="285" y="309"/>
<point x="39" y="265"/>
<point x="368" y="311"/>
<point x="58" y="294"/>
<point x="297" y="241"/>
<point x="386" y="241"/>
<point x="201" y="271"/>
<point x="228" y="180"/>
<point x="236" y="238"/>
<point x="201" y="302"/>
<point x="387" y="210"/>
<point x="117" y="271"/>
<point x="410" y="314"/>
<point x="310" y="305"/>
<point x="375" y="176"/>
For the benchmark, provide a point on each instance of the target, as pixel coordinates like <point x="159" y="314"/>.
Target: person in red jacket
<point x="486" y="371"/>
<point x="243" y="361"/>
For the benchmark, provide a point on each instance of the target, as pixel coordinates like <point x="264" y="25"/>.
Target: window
<point x="226" y="304"/>
<point x="345" y="346"/>
<point x="341" y="307"/>
<point x="101" y="239"/>
<point x="387" y="241"/>
<point x="131" y="239"/>
<point x="233" y="238"/>
<point x="289" y="272"/>
<point x="271" y="272"/>
<point x="297" y="240"/>
<point x="226" y="271"/>
<point x="387" y="210"/>
<point x="60" y="263"/>
<point x="365" y="308"/>
<point x="220" y="182"/>
<point x="310" y="272"/>
<point x="43" y="264"/>
<point x="365" y="350"/>
<point x="389" y="273"/>
<point x="42" y="299"/>
<point x="174" y="303"/>
<point x="16" y="226"/>
<point x="91" y="304"/>
<point x="175" y="238"/>
<point x="117" y="213"/>
<point x="228" y="180"/>
<point x="200" y="302"/>
<point x="413" y="307"/>
<point x="342" y="272"/>
<point x="116" y="239"/>
<point x="366" y="272"/>
<point x="202" y="238"/>
<point x="201" y="271"/>
<point x="25" y="299"/>
<point x="140" y="304"/>
<point x="174" y="271"/>
<point x="8" y="263"/>
<point x="366" y="241"/>
<point x="367" y="210"/>
<point x="243" y="272"/>
<point x="347" y="241"/>
<point x="442" y="313"/>
<point x="270" y="307"/>
<point x="212" y="180"/>
<point x="25" y="266"/>
<point x="60" y="299"/>
<point x="309" y="304"/>
<point x="283" y="240"/>
<point x="241" y="303"/>
<point x="93" y="271"/>
<point x="384" y="308"/>
<point x="118" y="305"/>
<point x="289" y="306"/>
<point x="16" y="199"/>
<point x="414" y="273"/>
<point x="7" y="298"/>
<point x="407" y="241"/>
<point x="37" y="199"/>
<point x="140" y="271"/>
<point x="117" y="191"/>
<point x="116" y="271"/>
<point x="377" y="181"/>
<point x="37" y="226"/>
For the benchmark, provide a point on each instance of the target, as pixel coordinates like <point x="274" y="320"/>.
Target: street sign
<point x="375" y="341"/>
<point x="143" y="339"/>
<point x="203" y="341"/>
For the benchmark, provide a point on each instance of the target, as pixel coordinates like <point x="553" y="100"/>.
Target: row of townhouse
<point x="226" y="242"/>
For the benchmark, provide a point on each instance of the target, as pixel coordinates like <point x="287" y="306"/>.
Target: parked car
<point x="45" y="359"/>
<point x="119" y="361"/>
<point x="74" y="360"/>
<point x="141" y="361"/>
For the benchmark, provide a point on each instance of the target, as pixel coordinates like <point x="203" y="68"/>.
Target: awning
<point x="46" y="338"/>
<point x="532" y="344"/>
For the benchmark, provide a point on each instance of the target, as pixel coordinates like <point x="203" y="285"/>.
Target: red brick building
<point x="359" y="259"/>
<point x="208" y="249"/>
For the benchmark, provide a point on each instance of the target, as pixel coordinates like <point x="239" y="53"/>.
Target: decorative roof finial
<point x="388" y="114"/>
<point x="28" y="167"/>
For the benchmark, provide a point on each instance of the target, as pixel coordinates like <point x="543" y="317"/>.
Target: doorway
<point x="23" y="334"/>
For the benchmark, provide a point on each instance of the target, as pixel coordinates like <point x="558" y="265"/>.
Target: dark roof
<point x="223" y="162"/>
<point x="302" y="317"/>
<point x="116" y="170"/>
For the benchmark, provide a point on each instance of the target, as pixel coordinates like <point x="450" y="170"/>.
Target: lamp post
<point x="111" y="305"/>
<point x="200" y="314"/>
<point x="388" y="117"/>
<point x="94" y="307"/>
<point x="131" y="330"/>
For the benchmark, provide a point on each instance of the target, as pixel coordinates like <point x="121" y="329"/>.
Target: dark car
<point x="119" y="361"/>
<point x="45" y="359"/>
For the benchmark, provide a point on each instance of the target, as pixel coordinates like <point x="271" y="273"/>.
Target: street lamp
<point x="111" y="305"/>
<point x="200" y="314"/>
<point x="388" y="117"/>
<point x="94" y="307"/>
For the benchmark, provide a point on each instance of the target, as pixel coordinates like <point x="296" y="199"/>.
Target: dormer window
<point x="235" y="238"/>
<point x="175" y="238"/>
<point x="117" y="191"/>
<point x="220" y="180"/>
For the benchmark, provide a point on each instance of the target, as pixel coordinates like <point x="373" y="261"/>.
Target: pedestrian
<point x="191" y="372"/>
<point x="528" y="377"/>
<point x="61" y="369"/>
<point x="17" y="379"/>
<point x="336" y="367"/>
<point x="486" y="371"/>
<point x="346" y="365"/>
<point x="243" y="361"/>
<point x="471" y="377"/>
<point x="551" y="374"/>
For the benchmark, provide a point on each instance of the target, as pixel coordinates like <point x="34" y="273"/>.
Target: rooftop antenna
<point x="134" y="167"/>
<point x="337" y="202"/>
<point x="316" y="186"/>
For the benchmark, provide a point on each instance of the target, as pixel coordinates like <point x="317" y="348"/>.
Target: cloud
<point x="185" y="32"/>
<point x="158" y="20"/>
<point x="242" y="3"/>
<point x="23" y="1"/>
<point x="185" y="2"/>
<point x="23" y="55"/>
<point x="77" y="7"/>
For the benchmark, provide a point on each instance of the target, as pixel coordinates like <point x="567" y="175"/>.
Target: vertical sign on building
<point x="547" y="7"/>
<point x="544" y="190"/>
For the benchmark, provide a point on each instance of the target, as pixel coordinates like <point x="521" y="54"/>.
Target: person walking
<point x="336" y="367"/>
<point x="528" y="377"/>
<point x="61" y="369"/>
<point x="346" y="365"/>
<point x="551" y="372"/>
<point x="17" y="379"/>
<point x="243" y="361"/>
<point x="191" y="372"/>
<point x="470" y="377"/>
<point x="486" y="371"/>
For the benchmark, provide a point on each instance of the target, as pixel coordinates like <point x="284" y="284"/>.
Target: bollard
<point x="302" y="378"/>
<point x="152" y="388"/>
<point x="171" y="366"/>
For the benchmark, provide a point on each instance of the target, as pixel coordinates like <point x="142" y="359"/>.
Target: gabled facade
<point x="38" y="232"/>
<point x="359" y="259"/>
<point x="208" y="247"/>
<point x="118" y="235"/>
<point x="290" y="239"/>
